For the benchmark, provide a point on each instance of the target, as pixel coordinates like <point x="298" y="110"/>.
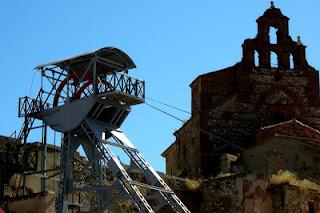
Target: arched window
<point x="291" y="61"/>
<point x="256" y="58"/>
<point x="273" y="60"/>
<point x="273" y="35"/>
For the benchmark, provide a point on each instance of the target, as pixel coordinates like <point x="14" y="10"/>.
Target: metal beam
<point x="151" y="187"/>
<point x="118" y="145"/>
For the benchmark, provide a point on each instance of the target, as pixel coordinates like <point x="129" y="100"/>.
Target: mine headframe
<point x="100" y="74"/>
<point x="87" y="98"/>
<point x="92" y="74"/>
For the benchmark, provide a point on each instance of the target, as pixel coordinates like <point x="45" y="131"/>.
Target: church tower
<point x="273" y="83"/>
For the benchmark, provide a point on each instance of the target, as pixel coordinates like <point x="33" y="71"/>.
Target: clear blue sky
<point x="171" y="42"/>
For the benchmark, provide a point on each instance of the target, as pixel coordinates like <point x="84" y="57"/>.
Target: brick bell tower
<point x="283" y="48"/>
<point x="272" y="83"/>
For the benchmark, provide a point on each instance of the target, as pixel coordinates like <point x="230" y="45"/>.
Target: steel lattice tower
<point x="87" y="98"/>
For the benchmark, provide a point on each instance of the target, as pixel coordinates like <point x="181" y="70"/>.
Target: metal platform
<point x="87" y="98"/>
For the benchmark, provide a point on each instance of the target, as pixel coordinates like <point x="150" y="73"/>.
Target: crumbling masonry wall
<point x="247" y="193"/>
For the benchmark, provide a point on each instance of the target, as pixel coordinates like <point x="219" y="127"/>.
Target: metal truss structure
<point x="87" y="98"/>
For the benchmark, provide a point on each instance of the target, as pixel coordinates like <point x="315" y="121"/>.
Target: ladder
<point x="163" y="195"/>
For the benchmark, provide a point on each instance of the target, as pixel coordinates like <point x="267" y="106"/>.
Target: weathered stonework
<point x="248" y="193"/>
<point x="290" y="145"/>
<point x="234" y="103"/>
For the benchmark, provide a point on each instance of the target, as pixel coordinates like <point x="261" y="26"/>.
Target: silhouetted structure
<point x="273" y="83"/>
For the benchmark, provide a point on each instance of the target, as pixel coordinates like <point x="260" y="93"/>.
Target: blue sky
<point x="171" y="42"/>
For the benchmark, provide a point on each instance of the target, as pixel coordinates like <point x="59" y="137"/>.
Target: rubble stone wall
<point x="248" y="193"/>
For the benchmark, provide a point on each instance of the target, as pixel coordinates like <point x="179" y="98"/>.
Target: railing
<point x="29" y="105"/>
<point x="117" y="82"/>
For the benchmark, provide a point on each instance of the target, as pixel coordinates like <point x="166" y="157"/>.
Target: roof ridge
<point x="291" y="121"/>
<point x="278" y="124"/>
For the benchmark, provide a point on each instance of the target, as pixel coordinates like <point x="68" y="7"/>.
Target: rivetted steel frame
<point x="89" y="181"/>
<point x="69" y="144"/>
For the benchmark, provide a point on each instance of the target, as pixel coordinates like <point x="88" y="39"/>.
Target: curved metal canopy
<point x="108" y="58"/>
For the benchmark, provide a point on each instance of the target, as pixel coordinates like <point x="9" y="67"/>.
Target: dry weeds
<point x="287" y="177"/>
<point x="193" y="185"/>
<point x="282" y="177"/>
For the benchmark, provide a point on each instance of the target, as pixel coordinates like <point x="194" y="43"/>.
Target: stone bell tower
<point x="283" y="48"/>
<point x="273" y="83"/>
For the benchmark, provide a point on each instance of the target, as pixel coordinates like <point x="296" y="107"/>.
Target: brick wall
<point x="234" y="103"/>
